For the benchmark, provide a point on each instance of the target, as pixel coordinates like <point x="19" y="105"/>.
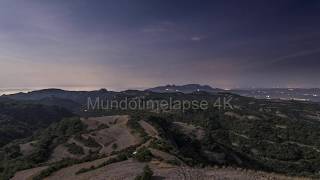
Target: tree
<point x="143" y="155"/>
<point x="146" y="174"/>
<point x="114" y="146"/>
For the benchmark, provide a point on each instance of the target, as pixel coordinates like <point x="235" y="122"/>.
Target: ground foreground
<point x="129" y="169"/>
<point x="107" y="131"/>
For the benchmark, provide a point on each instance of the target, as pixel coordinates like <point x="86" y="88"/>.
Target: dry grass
<point x="28" y="174"/>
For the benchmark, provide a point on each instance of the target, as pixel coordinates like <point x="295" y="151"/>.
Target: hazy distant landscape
<point x="299" y="94"/>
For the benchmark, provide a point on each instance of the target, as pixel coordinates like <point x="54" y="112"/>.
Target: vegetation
<point x="146" y="174"/>
<point x="133" y="123"/>
<point x="73" y="148"/>
<point x="143" y="155"/>
<point x="53" y="168"/>
<point x="20" y="119"/>
<point x="89" y="142"/>
<point x="120" y="157"/>
<point x="162" y="145"/>
<point x="12" y="160"/>
<point x="277" y="136"/>
<point x="256" y="143"/>
<point x="114" y="146"/>
<point x="102" y="126"/>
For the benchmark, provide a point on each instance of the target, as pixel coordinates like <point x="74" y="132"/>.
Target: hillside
<point x="36" y="149"/>
<point x="20" y="119"/>
<point x="146" y="146"/>
<point x="260" y="135"/>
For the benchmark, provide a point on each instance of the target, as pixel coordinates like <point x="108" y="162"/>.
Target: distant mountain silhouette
<point x="76" y="96"/>
<point x="188" y="88"/>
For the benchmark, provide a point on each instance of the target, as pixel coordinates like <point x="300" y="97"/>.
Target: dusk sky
<point x="121" y="44"/>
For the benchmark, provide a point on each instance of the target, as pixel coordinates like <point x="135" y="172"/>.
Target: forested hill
<point x="20" y="119"/>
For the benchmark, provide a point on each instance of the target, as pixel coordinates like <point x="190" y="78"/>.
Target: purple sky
<point x="120" y="44"/>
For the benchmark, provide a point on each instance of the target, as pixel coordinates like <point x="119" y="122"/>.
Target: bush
<point x="161" y="145"/>
<point x="143" y="155"/>
<point x="114" y="146"/>
<point x="146" y="174"/>
<point x="103" y="126"/>
<point x="75" y="149"/>
<point x="90" y="142"/>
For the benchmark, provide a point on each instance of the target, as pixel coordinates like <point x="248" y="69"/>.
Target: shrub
<point x="146" y="174"/>
<point x="90" y="142"/>
<point x="114" y="146"/>
<point x="143" y="155"/>
<point x="75" y="149"/>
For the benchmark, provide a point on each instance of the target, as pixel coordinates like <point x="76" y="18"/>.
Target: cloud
<point x="197" y="38"/>
<point x="295" y="55"/>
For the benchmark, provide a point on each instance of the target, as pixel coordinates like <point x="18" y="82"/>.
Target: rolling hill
<point x="259" y="135"/>
<point x="20" y="119"/>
